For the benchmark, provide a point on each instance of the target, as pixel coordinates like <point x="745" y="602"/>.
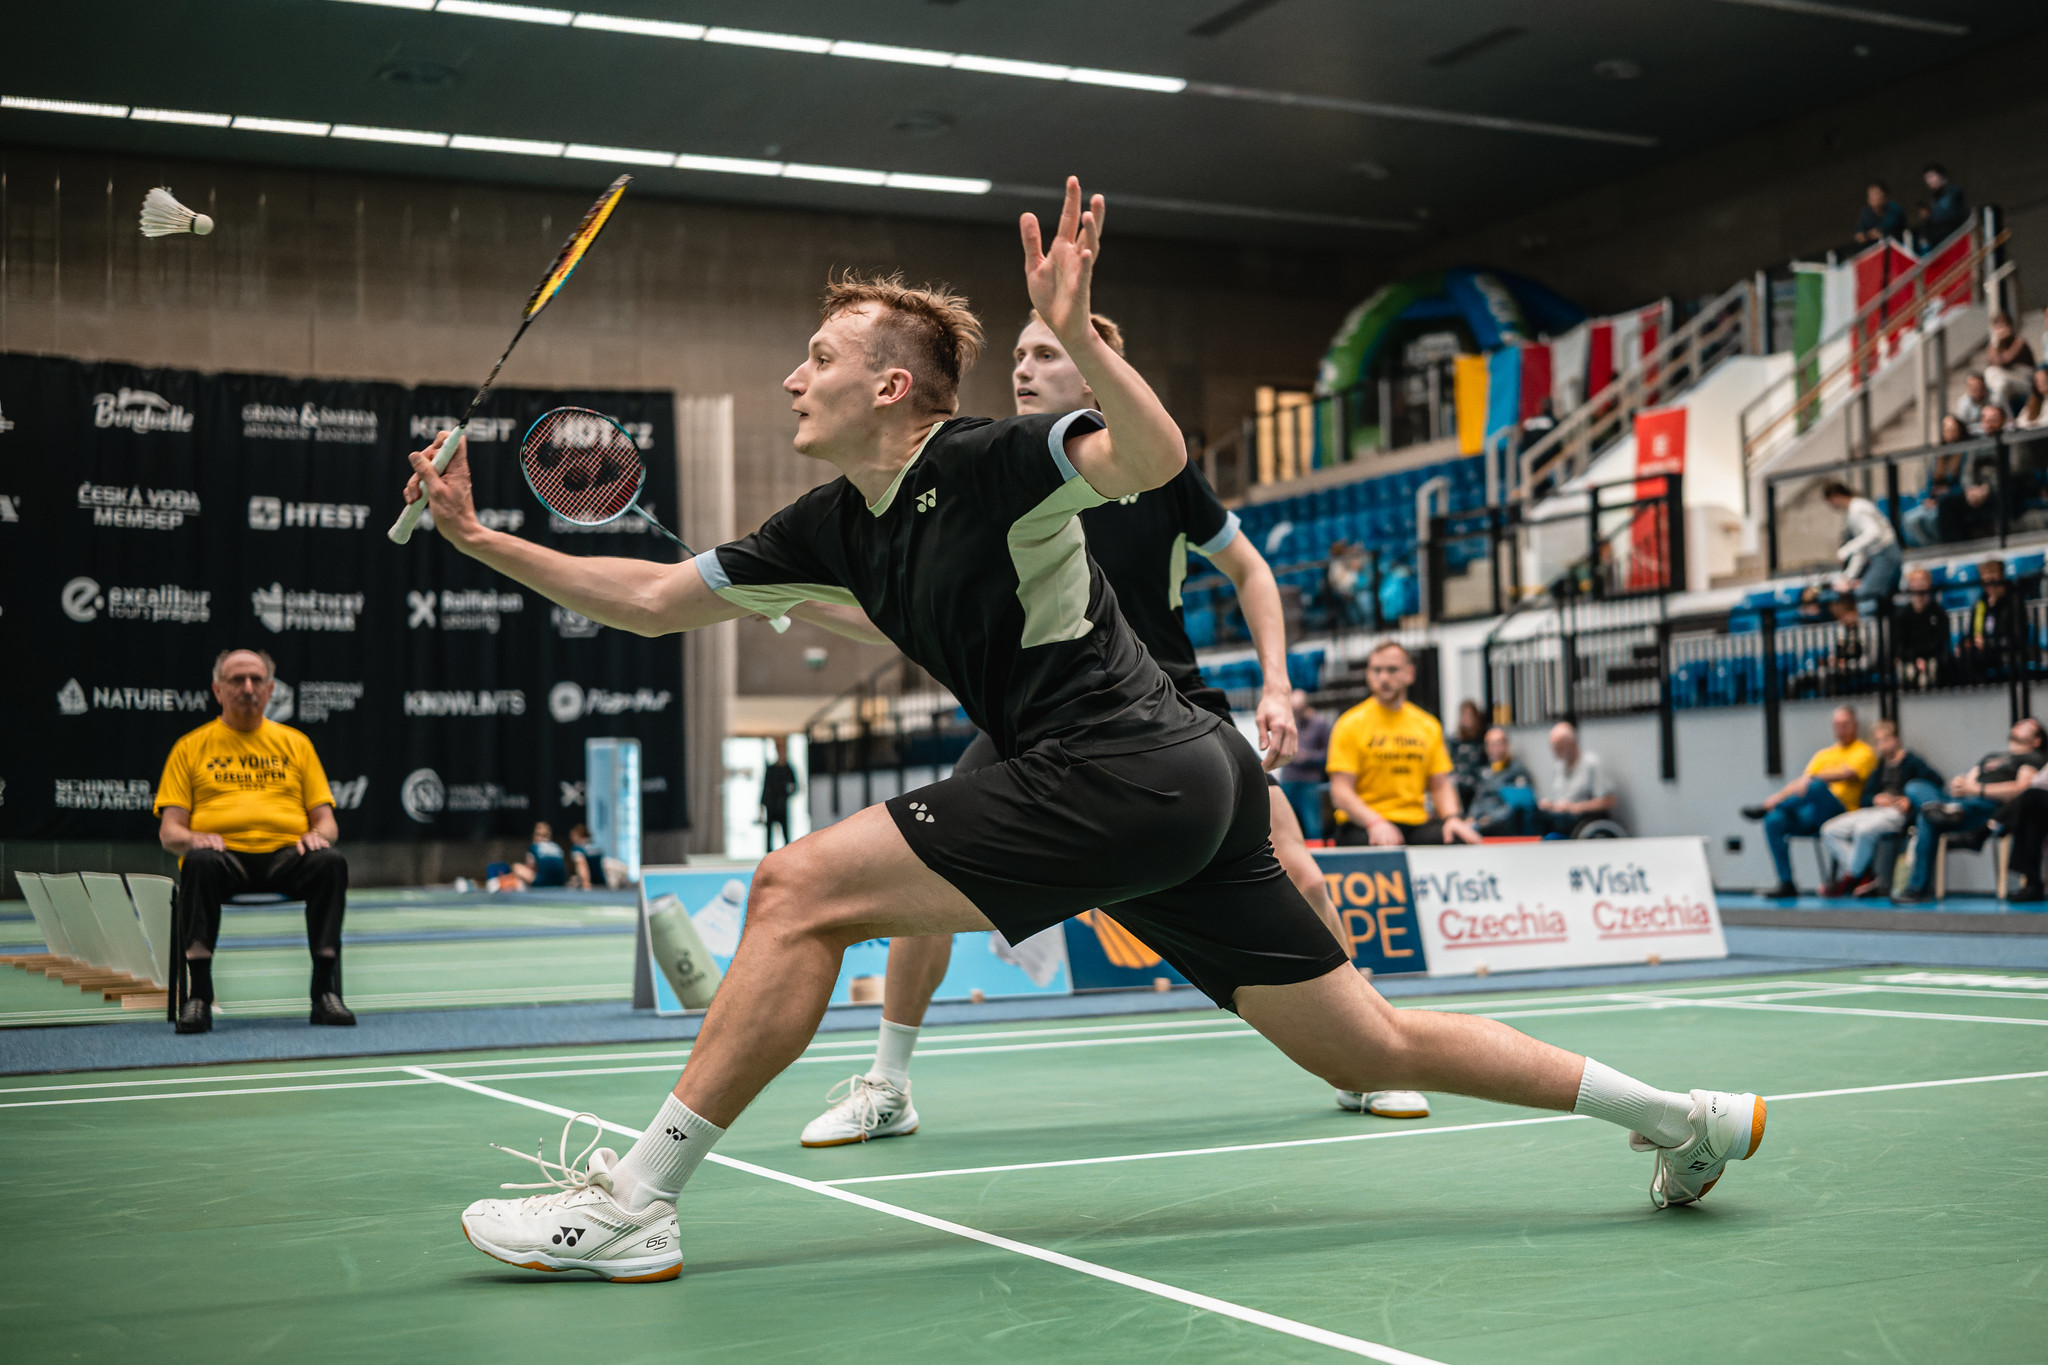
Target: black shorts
<point x="1350" y="835"/>
<point x="1176" y="840"/>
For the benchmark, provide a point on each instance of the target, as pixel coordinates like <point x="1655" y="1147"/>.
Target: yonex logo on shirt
<point x="927" y="500"/>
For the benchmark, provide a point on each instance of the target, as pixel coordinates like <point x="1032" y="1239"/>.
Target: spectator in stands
<point x="1922" y="521"/>
<point x="2034" y="413"/>
<point x="1468" y="752"/>
<point x="1881" y="217"/>
<point x="1302" y="781"/>
<point x="1974" y="798"/>
<point x="1966" y="511"/>
<point x="2008" y="365"/>
<point x="1340" y="586"/>
<point x="245" y="805"/>
<point x="1832" y="783"/>
<point x="1991" y="634"/>
<point x="1870" y="551"/>
<point x="1970" y="404"/>
<point x="778" y="784"/>
<point x="1903" y="781"/>
<point x="2025" y="817"/>
<point x="1494" y="811"/>
<point x="1578" y="786"/>
<point x="1386" y="755"/>
<point x="1946" y="211"/>
<point x="1920" y="634"/>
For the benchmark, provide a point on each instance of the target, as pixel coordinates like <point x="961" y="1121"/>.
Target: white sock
<point x="892" y="1054"/>
<point x="665" y="1157"/>
<point x="1659" y="1115"/>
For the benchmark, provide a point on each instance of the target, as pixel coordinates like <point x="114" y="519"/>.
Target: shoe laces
<point x="858" y="1096"/>
<point x="564" y="1176"/>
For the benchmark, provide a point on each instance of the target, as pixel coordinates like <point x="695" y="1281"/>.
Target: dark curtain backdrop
<point x="152" y="518"/>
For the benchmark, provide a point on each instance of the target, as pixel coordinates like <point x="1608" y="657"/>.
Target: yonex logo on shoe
<point x="918" y="809"/>
<point x="678" y="1134"/>
<point x="927" y="500"/>
<point x="570" y="1236"/>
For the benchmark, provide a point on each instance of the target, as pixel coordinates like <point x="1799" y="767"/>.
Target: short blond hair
<point x="929" y="331"/>
<point x="1111" y="334"/>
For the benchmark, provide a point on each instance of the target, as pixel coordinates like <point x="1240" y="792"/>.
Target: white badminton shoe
<point x="1386" y="1104"/>
<point x="868" y="1109"/>
<point x="1725" y="1127"/>
<point x="581" y="1225"/>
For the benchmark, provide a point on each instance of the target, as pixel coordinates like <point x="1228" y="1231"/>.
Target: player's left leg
<point x="877" y="1104"/>
<point x="1300" y="865"/>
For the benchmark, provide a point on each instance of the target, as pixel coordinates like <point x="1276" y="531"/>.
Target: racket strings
<point x="582" y="466"/>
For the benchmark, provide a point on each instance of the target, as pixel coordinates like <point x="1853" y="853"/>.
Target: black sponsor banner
<point x="151" y="518"/>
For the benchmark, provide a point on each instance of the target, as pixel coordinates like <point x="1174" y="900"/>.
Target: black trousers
<point x="777" y="817"/>
<point x="1353" y="835"/>
<point x="2025" y="817"/>
<point x="211" y="876"/>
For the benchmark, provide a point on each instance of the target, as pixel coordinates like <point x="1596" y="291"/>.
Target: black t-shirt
<point x="2004" y="765"/>
<point x="974" y="563"/>
<point x="1142" y="544"/>
<point x="778" y="783"/>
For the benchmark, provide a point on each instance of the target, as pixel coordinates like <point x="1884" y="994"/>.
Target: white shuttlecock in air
<point x="163" y="215"/>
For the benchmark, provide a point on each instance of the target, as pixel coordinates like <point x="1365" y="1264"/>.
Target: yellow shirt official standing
<point x="1394" y="754"/>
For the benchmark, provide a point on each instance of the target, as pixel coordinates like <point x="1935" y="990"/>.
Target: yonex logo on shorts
<point x="922" y="812"/>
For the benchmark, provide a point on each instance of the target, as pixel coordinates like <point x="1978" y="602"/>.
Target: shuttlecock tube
<point x="680" y="954"/>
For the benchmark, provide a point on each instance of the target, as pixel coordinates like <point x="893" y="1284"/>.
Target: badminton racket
<point x="586" y="468"/>
<point x="551" y="284"/>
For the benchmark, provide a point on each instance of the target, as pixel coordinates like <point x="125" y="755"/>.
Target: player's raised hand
<point x="1058" y="276"/>
<point x="449" y="496"/>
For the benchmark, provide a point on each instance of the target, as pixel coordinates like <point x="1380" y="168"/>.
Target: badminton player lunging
<point x="960" y="539"/>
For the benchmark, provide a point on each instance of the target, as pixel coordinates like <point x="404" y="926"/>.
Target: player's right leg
<point x="809" y="902"/>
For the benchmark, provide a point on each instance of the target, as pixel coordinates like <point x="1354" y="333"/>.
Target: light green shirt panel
<point x="775" y="599"/>
<point x="1050" y="554"/>
<point x="1176" y="569"/>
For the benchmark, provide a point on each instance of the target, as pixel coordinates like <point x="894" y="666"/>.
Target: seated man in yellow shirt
<point x="1832" y="784"/>
<point x="1386" y="754"/>
<point x="246" y="805"/>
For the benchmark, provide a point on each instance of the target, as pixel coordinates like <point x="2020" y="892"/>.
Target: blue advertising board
<point x="1375" y="899"/>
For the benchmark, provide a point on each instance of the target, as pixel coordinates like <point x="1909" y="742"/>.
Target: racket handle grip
<point x="402" y="529"/>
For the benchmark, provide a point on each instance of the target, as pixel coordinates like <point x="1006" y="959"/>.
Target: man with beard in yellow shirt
<point x="1386" y="755"/>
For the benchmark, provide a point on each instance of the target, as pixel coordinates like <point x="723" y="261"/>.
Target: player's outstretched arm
<point x="850" y="622"/>
<point x="631" y="594"/>
<point x="1147" y="450"/>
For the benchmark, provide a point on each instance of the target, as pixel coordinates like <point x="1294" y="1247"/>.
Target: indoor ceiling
<point x="1367" y="123"/>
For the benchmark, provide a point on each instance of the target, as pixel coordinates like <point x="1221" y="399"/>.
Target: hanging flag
<point x="1503" y="390"/>
<point x="1600" y="368"/>
<point x="1568" y="369"/>
<point x="1660" y="450"/>
<point x="1536" y="386"/>
<point x="1468" y="395"/>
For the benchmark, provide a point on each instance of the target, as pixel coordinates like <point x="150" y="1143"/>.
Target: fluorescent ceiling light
<point x="628" y="156"/>
<point x="514" y="146"/>
<point x="180" y="116"/>
<point x="838" y="175"/>
<point x="1125" y="80"/>
<point x="280" y="125"/>
<point x="645" y="28"/>
<point x="394" y="4"/>
<point x="408" y="137"/>
<point x="64" y="107"/>
<point x="1003" y="66"/>
<point x="945" y="184"/>
<point x="781" y="42"/>
<point x="490" y="9"/>
<point x="882" y="52"/>
<point x="727" y="165"/>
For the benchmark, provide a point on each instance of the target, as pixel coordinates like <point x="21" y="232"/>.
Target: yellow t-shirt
<point x="252" y="789"/>
<point x="1393" y="753"/>
<point x="1859" y="756"/>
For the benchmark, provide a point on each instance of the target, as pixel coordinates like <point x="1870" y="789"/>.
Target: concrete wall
<point x="1700" y="222"/>
<point x="1721" y="769"/>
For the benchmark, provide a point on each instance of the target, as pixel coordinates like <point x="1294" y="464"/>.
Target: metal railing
<point x="1983" y="491"/>
<point x="1631" y="546"/>
<point x="1725" y="326"/>
<point x="1949" y="275"/>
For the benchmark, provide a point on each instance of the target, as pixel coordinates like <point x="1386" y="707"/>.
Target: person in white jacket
<point x="1870" y="552"/>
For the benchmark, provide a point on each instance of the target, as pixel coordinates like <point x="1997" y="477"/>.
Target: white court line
<point x="1222" y="1307"/>
<point x="1393" y="1133"/>
<point x="1865" y="1013"/>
